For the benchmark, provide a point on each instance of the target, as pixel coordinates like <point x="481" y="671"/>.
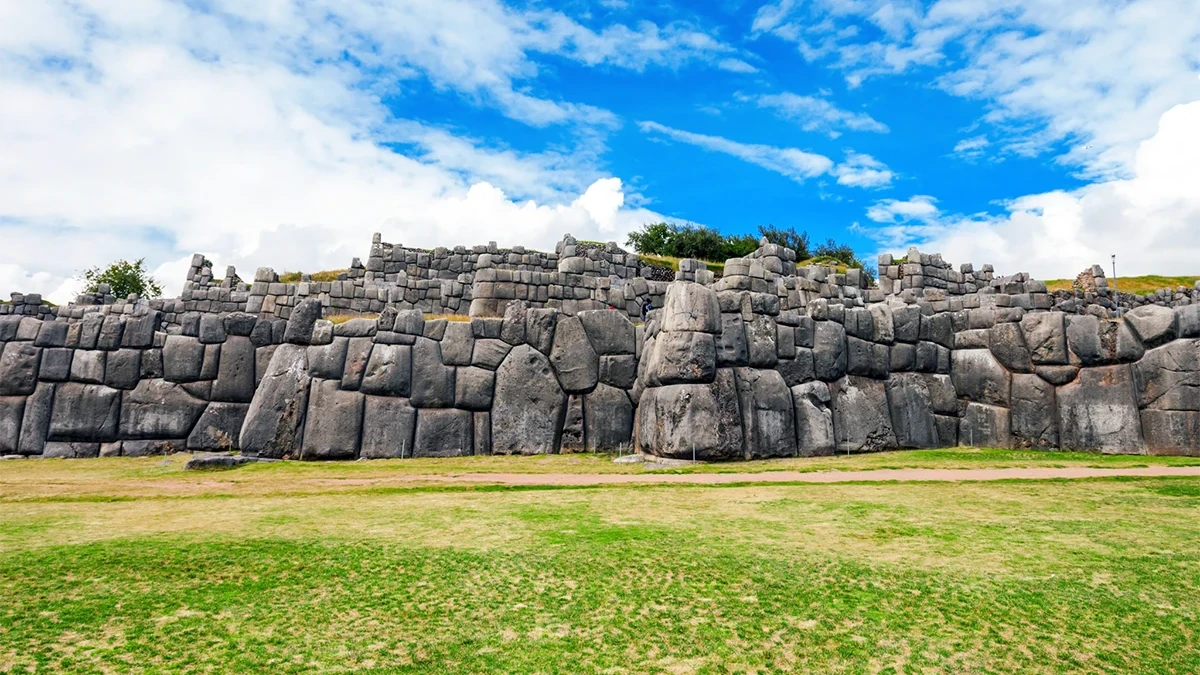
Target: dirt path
<point x="876" y="475"/>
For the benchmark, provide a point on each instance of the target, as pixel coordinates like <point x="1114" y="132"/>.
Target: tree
<point x="797" y="241"/>
<point x="124" y="278"/>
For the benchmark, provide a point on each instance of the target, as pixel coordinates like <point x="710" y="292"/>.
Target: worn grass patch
<point x="325" y="275"/>
<point x="673" y="262"/>
<point x="1056" y="576"/>
<point x="1135" y="285"/>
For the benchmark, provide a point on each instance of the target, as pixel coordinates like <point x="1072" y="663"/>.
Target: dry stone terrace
<point x="547" y="352"/>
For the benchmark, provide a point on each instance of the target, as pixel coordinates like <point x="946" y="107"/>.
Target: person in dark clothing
<point x="646" y="307"/>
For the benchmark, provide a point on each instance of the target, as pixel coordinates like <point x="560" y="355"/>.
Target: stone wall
<point x="769" y="360"/>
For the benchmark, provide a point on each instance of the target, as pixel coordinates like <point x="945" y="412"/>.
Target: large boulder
<point x="683" y="421"/>
<point x="609" y="331"/>
<point x="691" y="307"/>
<point x="1046" y="337"/>
<point x="1154" y="324"/>
<point x="799" y="369"/>
<point x="85" y="412"/>
<point x="389" y="371"/>
<point x="182" y="358"/>
<point x="235" y="374"/>
<point x="528" y="405"/>
<point x="1098" y="411"/>
<point x="985" y="426"/>
<point x="861" y="419"/>
<point x="12" y="410"/>
<point x="432" y="382"/>
<point x="358" y="355"/>
<point x="911" y="405"/>
<point x="158" y="409"/>
<point x="682" y="357"/>
<point x="300" y="322"/>
<point x="1091" y="340"/>
<point x="276" y="416"/>
<point x="473" y="388"/>
<point x="1034" y="412"/>
<point x="761" y="336"/>
<point x="328" y="361"/>
<point x="607" y="418"/>
<point x="458" y="343"/>
<point x="333" y="425"/>
<point x="443" y="433"/>
<point x="979" y="377"/>
<point x="388" y="430"/>
<point x="814" y="419"/>
<point x="219" y="427"/>
<point x="1171" y="432"/>
<point x="489" y="352"/>
<point x="768" y="419"/>
<point x="575" y="361"/>
<point x="539" y="330"/>
<point x="1168" y="377"/>
<point x="732" y="349"/>
<point x="35" y="424"/>
<point x="1007" y="343"/>
<point x="88" y="365"/>
<point x="829" y="351"/>
<point x="19" y="363"/>
<point x="618" y="370"/>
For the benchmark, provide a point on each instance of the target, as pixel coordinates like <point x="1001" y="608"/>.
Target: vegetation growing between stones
<point x="317" y="574"/>
<point x="124" y="278"/>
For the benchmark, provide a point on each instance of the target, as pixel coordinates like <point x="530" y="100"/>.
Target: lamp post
<point x="1116" y="295"/>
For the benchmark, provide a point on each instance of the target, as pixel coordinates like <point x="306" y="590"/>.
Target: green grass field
<point x="134" y="566"/>
<point x="1135" y="285"/>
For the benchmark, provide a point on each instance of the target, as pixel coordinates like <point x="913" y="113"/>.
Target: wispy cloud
<point x="818" y="114"/>
<point x="796" y="164"/>
<point x="861" y="170"/>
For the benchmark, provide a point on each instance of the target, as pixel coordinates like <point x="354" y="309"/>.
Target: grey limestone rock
<point x="211" y="363"/>
<point x="276" y="416"/>
<point x="1187" y="321"/>
<point x="35" y="424"/>
<point x="328" y="361"/>
<point x="182" y="358"/>
<point x="797" y="370"/>
<point x="300" y="323"/>
<point x="575" y="361"/>
<point x="1057" y="375"/>
<point x="333" y="425"/>
<point x="388" y="371"/>
<point x="219" y="427"/>
<point x="539" y="328"/>
<point x="1168" y="377"/>
<point x="829" y="351"/>
<point x="528" y="405"/>
<point x="19" y="363"/>
<point x="608" y="419"/>
<point x="761" y="334"/>
<point x="388" y="431"/>
<point x="444" y="433"/>
<point x="985" y="426"/>
<point x="682" y="421"/>
<point x="212" y="329"/>
<point x="111" y="331"/>
<point x="473" y="388"/>
<point x="158" y="409"/>
<point x="906" y="322"/>
<point x="732" y="349"/>
<point x="235" y="374"/>
<point x="236" y="323"/>
<point x="1171" y="432"/>
<point x="911" y="405"/>
<point x="123" y="369"/>
<point x="1034" y="412"/>
<point x="618" y="370"/>
<point x="489" y="353"/>
<point x="85" y="412"/>
<point x="512" y="328"/>
<point x="481" y="433"/>
<point x="572" y="438"/>
<point x="861" y="419"/>
<point x="458" y="343"/>
<point x="768" y="417"/>
<point x="1046" y="337"/>
<point x="51" y="334"/>
<point x="608" y="331"/>
<point x="139" y="330"/>
<point x="56" y="364"/>
<point x="691" y="307"/>
<point x="814" y="419"/>
<point x="1007" y="343"/>
<point x="1154" y="324"/>
<point x="361" y="327"/>
<point x="71" y="450"/>
<point x="409" y="322"/>
<point x="1092" y="341"/>
<point x="358" y="354"/>
<point x="432" y="382"/>
<point x="12" y="411"/>
<point x="682" y="357"/>
<point x="979" y="377"/>
<point x="1098" y="411"/>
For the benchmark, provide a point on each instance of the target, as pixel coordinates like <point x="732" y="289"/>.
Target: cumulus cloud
<point x="818" y="114"/>
<point x="1150" y="220"/>
<point x="256" y="133"/>
<point x="861" y="170"/>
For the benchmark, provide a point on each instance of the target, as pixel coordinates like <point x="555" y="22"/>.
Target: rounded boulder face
<point x="528" y="405"/>
<point x="682" y="421"/>
<point x="691" y="307"/>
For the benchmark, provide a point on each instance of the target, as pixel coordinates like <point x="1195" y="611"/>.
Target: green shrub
<point x="123" y="278"/>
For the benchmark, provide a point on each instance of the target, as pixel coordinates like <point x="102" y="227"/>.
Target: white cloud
<point x="818" y="114"/>
<point x="791" y="162"/>
<point x="736" y="66"/>
<point x="1150" y="220"/>
<point x="860" y="170"/>
<point x="971" y="149"/>
<point x="1093" y="74"/>
<point x="156" y="129"/>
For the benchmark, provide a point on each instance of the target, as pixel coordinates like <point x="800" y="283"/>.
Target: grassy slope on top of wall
<point x="1136" y="285"/>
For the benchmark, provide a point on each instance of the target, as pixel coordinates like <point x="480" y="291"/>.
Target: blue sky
<point x="1024" y="133"/>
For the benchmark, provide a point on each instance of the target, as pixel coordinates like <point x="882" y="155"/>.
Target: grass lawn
<point x="134" y="566"/>
<point x="1135" y="285"/>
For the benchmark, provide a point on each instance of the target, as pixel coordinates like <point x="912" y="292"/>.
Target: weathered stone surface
<point x="911" y="406"/>
<point x="322" y="333"/>
<point x="51" y="334"/>
<point x="111" y="330"/>
<point x="89" y="332"/>
<point x="432" y="382"/>
<point x="1171" y="432"/>
<point x="389" y="425"/>
<point x="388" y="371"/>
<point x="942" y="396"/>
<point x="276" y="416"/>
<point x="608" y="419"/>
<point x="761" y="334"/>
<point x="182" y="358"/>
<point x="219" y="427"/>
<point x="732" y="349"/>
<point x="979" y="377"/>
<point x="512" y="329"/>
<point x="211" y="362"/>
<point x="685" y="420"/>
<point x="1168" y="377"/>
<point x="212" y="329"/>
<point x="1057" y="375"/>
<point x="56" y="364"/>
<point x="262" y="336"/>
<point x="235" y="373"/>
<point x="938" y="329"/>
<point x="814" y="419"/>
<point x="682" y="357"/>
<point x="489" y="353"/>
<point x="985" y="426"/>
<point x="152" y="364"/>
<point x="528" y="406"/>
<point x="473" y="388"/>
<point x="410" y="322"/>
<point x="1098" y="411"/>
<point x="829" y="351"/>
<point x="1007" y="343"/>
<point x="1034" y="412"/>
<point x="906" y="323"/>
<point x="19" y="362"/>
<point x="1046" y="337"/>
<point x="71" y="450"/>
<point x="902" y="357"/>
<point x="443" y="433"/>
<point x="358" y="354"/>
<point x="1129" y="346"/>
<point x="882" y="317"/>
<point x="690" y="307"/>
<point x="158" y="409"/>
<point x="1091" y="340"/>
<point x="1187" y="321"/>
<point x="123" y="369"/>
<point x="618" y="370"/>
<point x="457" y="344"/>
<point x="328" y="362"/>
<point x="609" y="331"/>
<point x="12" y="411"/>
<point x="482" y="433"/>
<point x="539" y="328"/>
<point x="333" y="425"/>
<point x="768" y="418"/>
<point x="861" y="420"/>
<point x="575" y="362"/>
<point x="947" y="427"/>
<point x="237" y="323"/>
<point x="300" y="323"/>
<point x="572" y="438"/>
<point x="1154" y="324"/>
<point x="35" y="424"/>
<point x="797" y="370"/>
<point x="139" y="330"/>
<point x="85" y="412"/>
